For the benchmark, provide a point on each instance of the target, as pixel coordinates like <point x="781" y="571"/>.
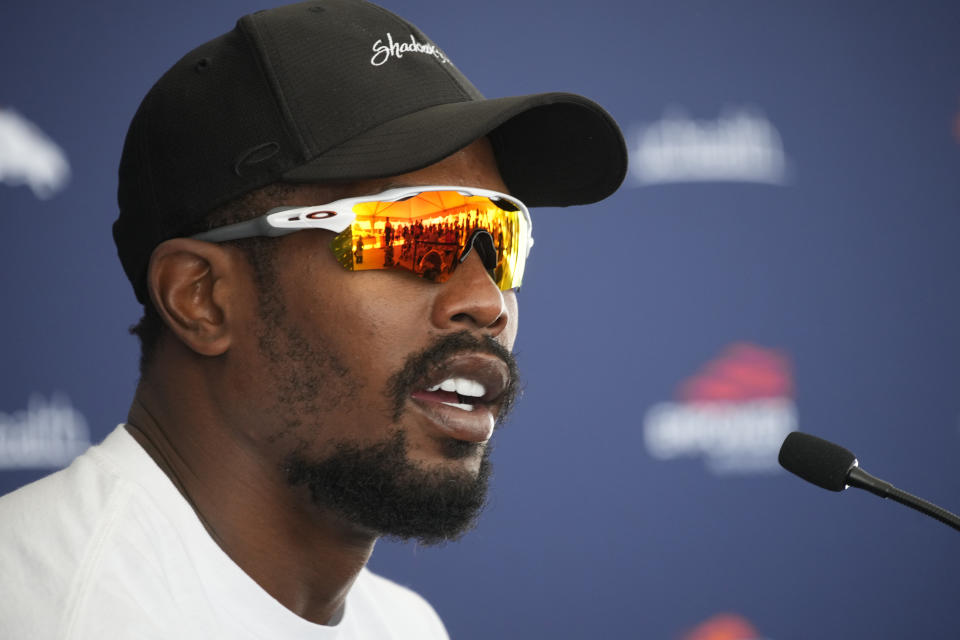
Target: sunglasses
<point x="426" y="230"/>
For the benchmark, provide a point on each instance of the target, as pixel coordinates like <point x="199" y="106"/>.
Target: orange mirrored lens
<point x="430" y="233"/>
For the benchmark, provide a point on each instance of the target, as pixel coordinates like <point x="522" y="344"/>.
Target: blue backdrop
<point x="783" y="255"/>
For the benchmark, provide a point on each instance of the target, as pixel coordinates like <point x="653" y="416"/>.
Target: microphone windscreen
<point x="816" y="460"/>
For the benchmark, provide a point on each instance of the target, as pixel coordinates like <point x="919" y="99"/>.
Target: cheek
<point x="509" y="335"/>
<point x="374" y="320"/>
<point x="345" y="310"/>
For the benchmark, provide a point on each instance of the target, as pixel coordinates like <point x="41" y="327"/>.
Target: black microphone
<point x="832" y="467"/>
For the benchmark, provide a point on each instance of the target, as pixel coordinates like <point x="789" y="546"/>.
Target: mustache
<point x="419" y="366"/>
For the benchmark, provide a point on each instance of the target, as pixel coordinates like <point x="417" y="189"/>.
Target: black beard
<point x="377" y="486"/>
<point x="379" y="489"/>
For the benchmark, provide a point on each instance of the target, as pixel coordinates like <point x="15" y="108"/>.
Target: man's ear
<point x="191" y="285"/>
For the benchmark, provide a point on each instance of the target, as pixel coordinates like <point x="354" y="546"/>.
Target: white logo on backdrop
<point x="742" y="437"/>
<point x="28" y="156"/>
<point x="383" y="52"/>
<point x="741" y="145"/>
<point x="48" y="433"/>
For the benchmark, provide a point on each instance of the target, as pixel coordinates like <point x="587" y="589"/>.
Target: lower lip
<point x="469" y="426"/>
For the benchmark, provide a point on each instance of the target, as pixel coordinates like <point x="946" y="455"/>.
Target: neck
<point x="304" y="557"/>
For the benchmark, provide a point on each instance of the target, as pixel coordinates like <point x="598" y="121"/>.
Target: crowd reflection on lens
<point x="430" y="246"/>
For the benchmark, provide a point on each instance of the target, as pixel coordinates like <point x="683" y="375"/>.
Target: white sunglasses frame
<point x="337" y="216"/>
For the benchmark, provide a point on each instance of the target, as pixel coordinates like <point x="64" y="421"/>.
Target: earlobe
<point x="189" y="283"/>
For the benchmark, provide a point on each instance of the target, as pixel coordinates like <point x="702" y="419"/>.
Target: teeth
<point x="471" y="388"/>
<point x="461" y="386"/>
<point x="465" y="407"/>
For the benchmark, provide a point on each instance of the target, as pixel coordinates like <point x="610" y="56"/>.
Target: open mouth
<point x="463" y="395"/>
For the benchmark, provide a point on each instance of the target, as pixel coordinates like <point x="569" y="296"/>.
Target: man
<point x="295" y="404"/>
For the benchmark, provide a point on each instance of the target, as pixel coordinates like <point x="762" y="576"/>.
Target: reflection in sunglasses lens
<point x="431" y="233"/>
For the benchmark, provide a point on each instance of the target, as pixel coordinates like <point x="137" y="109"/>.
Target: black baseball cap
<point x="332" y="91"/>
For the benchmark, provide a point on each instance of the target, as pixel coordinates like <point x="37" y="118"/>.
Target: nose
<point x="470" y="299"/>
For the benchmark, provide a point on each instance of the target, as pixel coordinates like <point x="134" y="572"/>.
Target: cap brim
<point x="552" y="149"/>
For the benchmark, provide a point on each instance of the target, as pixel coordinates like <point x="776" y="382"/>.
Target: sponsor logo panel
<point x="724" y="626"/>
<point x="956" y="126"/>
<point x="29" y="157"/>
<point x="50" y="432"/>
<point x="740" y="145"/>
<point x="734" y="413"/>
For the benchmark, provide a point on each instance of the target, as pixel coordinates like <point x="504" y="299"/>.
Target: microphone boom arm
<point x="860" y="479"/>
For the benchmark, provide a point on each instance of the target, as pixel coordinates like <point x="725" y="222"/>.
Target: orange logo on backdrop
<point x="742" y="372"/>
<point x="956" y="127"/>
<point x="723" y="626"/>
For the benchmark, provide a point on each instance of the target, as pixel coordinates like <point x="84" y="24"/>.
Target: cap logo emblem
<point x="383" y="52"/>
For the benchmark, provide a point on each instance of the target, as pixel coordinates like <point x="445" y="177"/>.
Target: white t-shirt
<point x="108" y="548"/>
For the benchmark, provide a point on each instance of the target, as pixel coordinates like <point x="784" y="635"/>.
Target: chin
<point x="382" y="488"/>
